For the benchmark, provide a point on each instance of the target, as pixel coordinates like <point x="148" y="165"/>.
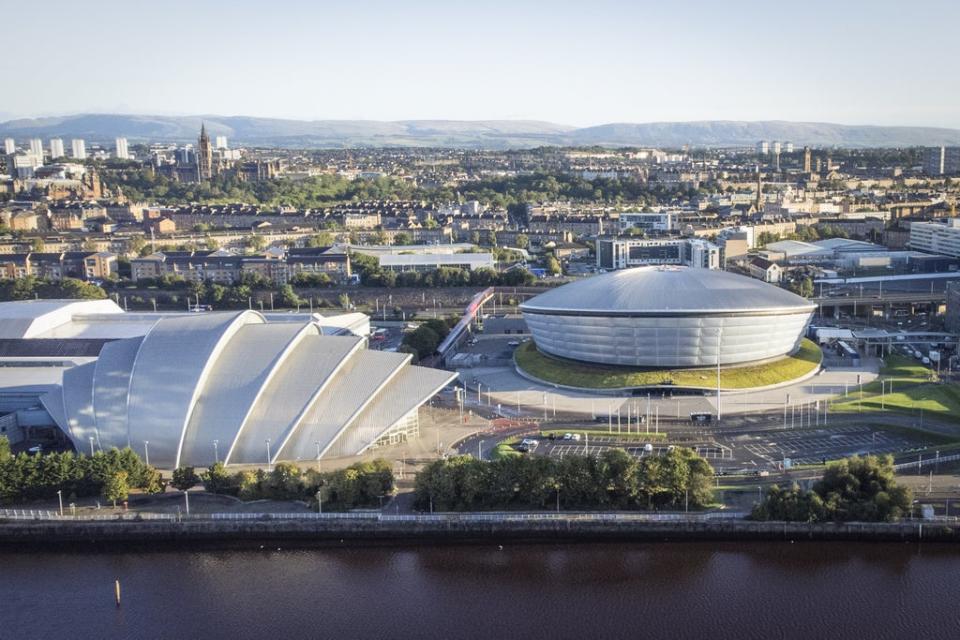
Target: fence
<point x="921" y="462"/>
<point x="44" y="514"/>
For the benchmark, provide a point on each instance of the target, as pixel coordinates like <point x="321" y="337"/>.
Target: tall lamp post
<point x="269" y="464"/>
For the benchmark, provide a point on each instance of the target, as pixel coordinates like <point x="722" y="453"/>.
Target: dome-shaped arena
<point x="667" y="317"/>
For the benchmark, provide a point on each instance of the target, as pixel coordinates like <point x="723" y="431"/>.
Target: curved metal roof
<point x="666" y="291"/>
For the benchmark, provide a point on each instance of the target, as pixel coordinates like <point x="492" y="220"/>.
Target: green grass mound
<point x="594" y="376"/>
<point x="913" y="388"/>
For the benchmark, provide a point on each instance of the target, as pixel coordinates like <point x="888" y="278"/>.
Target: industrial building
<point x="193" y="388"/>
<point x="667" y="317"/>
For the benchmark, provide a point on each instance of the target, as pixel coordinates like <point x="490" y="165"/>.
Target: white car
<point x="568" y="436"/>
<point x="648" y="448"/>
<point x="575" y="437"/>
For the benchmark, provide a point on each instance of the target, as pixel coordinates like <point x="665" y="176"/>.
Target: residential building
<point x="9" y="146"/>
<point x="221" y="142"/>
<point x="56" y="148"/>
<point x="623" y="253"/>
<point x="100" y="266"/>
<point x="79" y="148"/>
<point x="121" y="148"/>
<point x="941" y="161"/>
<point x="763" y="269"/>
<point x="36" y="148"/>
<point x="936" y="237"/>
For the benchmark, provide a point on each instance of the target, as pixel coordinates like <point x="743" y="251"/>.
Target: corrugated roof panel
<point x="409" y="389"/>
<point x="355" y="385"/>
<point x="233" y="385"/>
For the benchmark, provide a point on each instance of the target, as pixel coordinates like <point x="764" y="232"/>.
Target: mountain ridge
<point x="476" y="134"/>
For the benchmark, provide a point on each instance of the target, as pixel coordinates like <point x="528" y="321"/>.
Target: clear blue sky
<point x="578" y="63"/>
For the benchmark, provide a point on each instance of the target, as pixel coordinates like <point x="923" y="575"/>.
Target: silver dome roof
<point x="667" y="290"/>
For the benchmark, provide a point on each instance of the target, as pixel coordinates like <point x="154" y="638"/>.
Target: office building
<point x="936" y="237"/>
<point x="623" y="253"/>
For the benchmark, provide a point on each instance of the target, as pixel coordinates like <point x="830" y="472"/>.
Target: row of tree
<point x="855" y="489"/>
<point x="612" y="480"/>
<point x="363" y="484"/>
<point x="29" y="287"/>
<point x="110" y="474"/>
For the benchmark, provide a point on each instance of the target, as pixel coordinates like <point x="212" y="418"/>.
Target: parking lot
<point x="814" y="446"/>
<point x="595" y="446"/>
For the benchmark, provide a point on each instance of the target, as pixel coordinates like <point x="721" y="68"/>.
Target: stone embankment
<point x="370" y="529"/>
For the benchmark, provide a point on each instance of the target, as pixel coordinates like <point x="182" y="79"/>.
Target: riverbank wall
<point x="54" y="535"/>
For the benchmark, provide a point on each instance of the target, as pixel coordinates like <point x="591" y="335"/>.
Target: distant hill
<point x="489" y="134"/>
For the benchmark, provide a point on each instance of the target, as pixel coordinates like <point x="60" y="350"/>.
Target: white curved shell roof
<point x="238" y="380"/>
<point x="666" y="291"/>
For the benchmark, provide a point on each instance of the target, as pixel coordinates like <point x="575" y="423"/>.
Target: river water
<point x="583" y="591"/>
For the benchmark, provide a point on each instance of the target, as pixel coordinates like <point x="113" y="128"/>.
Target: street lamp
<point x="480" y="450"/>
<point x="146" y="452"/>
<point x="216" y="454"/>
<point x="269" y="465"/>
<point x="60" y="499"/>
<point x="319" y="501"/>
<point x="91" y="446"/>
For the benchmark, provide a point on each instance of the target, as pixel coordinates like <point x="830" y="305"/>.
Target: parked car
<point x="575" y="437"/>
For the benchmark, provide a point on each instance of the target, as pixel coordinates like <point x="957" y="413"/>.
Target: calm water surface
<point x="678" y="590"/>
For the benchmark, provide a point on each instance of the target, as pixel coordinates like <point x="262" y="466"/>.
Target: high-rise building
<point x="79" y="148"/>
<point x="204" y="155"/>
<point x="789" y="147"/>
<point x="806" y="160"/>
<point x="36" y="147"/>
<point x="56" y="148"/>
<point x="777" y="148"/>
<point x="941" y="161"/>
<point x="763" y="147"/>
<point x="9" y="146"/>
<point x="221" y="142"/>
<point x="123" y="153"/>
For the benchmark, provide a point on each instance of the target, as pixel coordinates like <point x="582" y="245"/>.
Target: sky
<point x="575" y="63"/>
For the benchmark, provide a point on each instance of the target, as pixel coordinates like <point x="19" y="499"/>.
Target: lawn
<point x="913" y="391"/>
<point x="591" y="376"/>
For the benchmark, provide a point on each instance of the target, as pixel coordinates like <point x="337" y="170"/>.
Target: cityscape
<point x="520" y="355"/>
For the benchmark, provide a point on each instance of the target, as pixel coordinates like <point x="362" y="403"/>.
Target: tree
<point x="402" y="239"/>
<point x="4" y="449"/>
<point x="552" y="265"/>
<point x="116" y="487"/>
<point x="255" y="242"/>
<point x="423" y="340"/>
<point x="853" y="489"/>
<point x="185" y="478"/>
<point x="217" y="480"/>
<point x="522" y="241"/>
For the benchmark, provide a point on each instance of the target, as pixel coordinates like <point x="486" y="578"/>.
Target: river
<point x="583" y="591"/>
